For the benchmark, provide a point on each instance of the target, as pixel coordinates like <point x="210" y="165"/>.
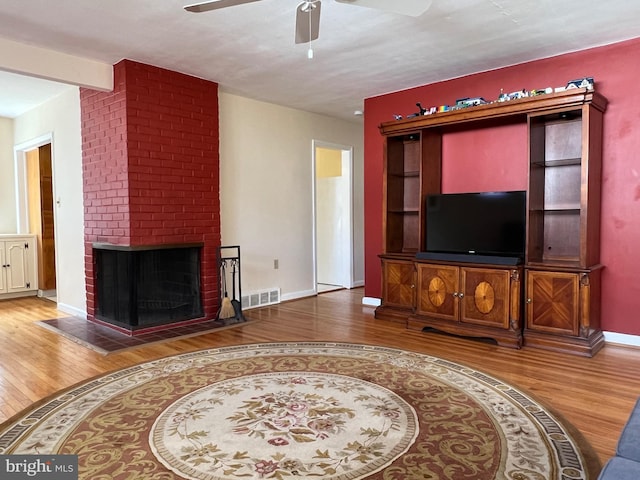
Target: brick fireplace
<point x="151" y="170"/>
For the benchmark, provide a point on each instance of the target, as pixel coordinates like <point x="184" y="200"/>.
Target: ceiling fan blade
<point x="215" y="5"/>
<point x="308" y="21"/>
<point x="412" y="8"/>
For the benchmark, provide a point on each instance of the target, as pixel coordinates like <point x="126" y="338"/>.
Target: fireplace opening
<point x="141" y="287"/>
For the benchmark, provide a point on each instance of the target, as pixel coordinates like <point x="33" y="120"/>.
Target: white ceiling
<point x="249" y="49"/>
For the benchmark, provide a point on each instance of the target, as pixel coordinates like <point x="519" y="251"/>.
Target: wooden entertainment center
<point x="552" y="299"/>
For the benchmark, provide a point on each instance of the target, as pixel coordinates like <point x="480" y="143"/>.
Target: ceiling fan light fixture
<point x="308" y="23"/>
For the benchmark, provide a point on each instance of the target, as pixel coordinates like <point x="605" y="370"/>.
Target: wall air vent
<point x="260" y="298"/>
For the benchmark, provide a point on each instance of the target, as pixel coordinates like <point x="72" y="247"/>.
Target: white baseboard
<point x="371" y="301"/>
<point x="303" y="294"/>
<point x="297" y="295"/>
<point x="71" y="310"/>
<point x="622" y="339"/>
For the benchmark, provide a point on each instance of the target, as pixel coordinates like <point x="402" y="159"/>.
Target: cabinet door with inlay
<point x="485" y="297"/>
<point x="553" y="302"/>
<point x="398" y="283"/>
<point x="438" y="289"/>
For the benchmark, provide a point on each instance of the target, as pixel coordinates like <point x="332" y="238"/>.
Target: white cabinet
<point x="18" y="265"/>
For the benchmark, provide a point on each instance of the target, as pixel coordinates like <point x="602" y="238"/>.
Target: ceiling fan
<point x="308" y="11"/>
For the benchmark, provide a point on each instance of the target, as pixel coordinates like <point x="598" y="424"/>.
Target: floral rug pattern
<point x="295" y="410"/>
<point x="294" y="424"/>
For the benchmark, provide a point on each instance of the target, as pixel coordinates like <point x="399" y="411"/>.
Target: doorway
<point x="333" y="165"/>
<point x="36" y="216"/>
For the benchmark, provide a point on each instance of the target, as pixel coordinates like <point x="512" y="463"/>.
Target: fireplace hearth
<point x="147" y="286"/>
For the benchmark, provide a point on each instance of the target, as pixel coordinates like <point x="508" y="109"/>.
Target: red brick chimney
<point x="151" y="168"/>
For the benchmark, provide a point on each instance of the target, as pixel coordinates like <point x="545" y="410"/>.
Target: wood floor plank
<point x="594" y="394"/>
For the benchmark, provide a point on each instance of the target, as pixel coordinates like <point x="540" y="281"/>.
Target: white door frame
<point x="20" y="159"/>
<point x="347" y="274"/>
<point x="20" y="162"/>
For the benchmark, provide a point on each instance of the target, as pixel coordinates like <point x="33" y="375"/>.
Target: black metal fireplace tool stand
<point x="229" y="268"/>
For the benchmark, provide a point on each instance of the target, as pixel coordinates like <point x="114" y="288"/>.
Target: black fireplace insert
<point x="146" y="286"/>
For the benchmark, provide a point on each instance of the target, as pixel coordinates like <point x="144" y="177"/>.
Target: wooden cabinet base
<point x="504" y="338"/>
<point x="393" y="314"/>
<point x="585" y="346"/>
<point x="30" y="293"/>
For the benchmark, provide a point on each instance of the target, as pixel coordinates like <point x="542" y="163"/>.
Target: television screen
<point x="489" y="223"/>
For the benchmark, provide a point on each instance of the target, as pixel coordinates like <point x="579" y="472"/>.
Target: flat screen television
<point x="479" y="224"/>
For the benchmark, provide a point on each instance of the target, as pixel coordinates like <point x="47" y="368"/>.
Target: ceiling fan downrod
<point x="308" y="6"/>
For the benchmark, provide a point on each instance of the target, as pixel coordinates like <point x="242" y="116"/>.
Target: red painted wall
<point x="473" y="161"/>
<point x="151" y="167"/>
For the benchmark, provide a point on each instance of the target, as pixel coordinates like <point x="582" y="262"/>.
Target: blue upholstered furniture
<point x="626" y="463"/>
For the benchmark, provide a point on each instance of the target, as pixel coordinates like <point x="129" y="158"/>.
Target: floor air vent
<point x="260" y="298"/>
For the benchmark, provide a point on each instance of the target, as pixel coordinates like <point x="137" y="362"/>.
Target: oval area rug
<point x="299" y="410"/>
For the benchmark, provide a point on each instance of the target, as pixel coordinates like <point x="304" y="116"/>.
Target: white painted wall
<point x="266" y="172"/>
<point x="61" y="118"/>
<point x="8" y="222"/>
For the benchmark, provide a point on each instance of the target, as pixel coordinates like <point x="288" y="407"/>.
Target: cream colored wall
<point x="266" y="174"/>
<point x="8" y="223"/>
<point x="61" y="118"/>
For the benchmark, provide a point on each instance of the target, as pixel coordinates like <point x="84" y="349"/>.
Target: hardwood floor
<point x="594" y="394"/>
